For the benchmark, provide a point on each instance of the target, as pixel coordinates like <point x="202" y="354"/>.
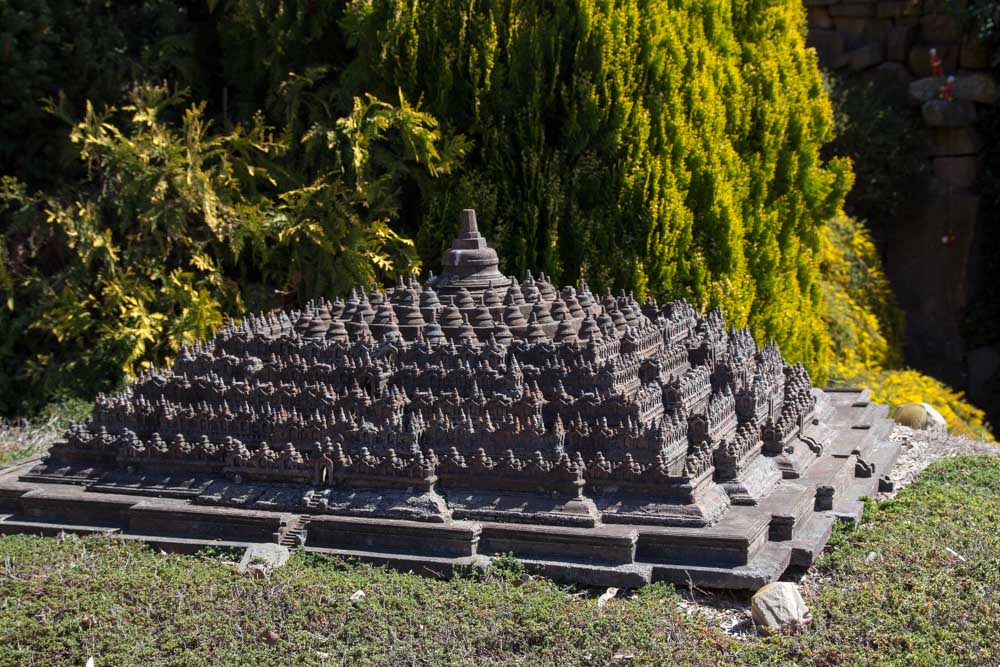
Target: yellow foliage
<point x="865" y="329"/>
<point x="898" y="387"/>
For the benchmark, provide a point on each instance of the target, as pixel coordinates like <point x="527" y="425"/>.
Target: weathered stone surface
<point x="779" y="607"/>
<point x="818" y="17"/>
<point x="925" y="89"/>
<point x="269" y="556"/>
<point x="919" y="58"/>
<point x="899" y="41"/>
<point x="865" y="57"/>
<point x="939" y="113"/>
<point x="959" y="171"/>
<point x="974" y="54"/>
<point x="932" y="248"/>
<point x="891" y="82"/>
<point x="860" y="31"/>
<point x="969" y="87"/>
<point x="953" y="141"/>
<point x="829" y="45"/>
<point x="896" y="8"/>
<point x="940" y="29"/>
<point x="975" y="87"/>
<point x="856" y="9"/>
<point x="943" y="6"/>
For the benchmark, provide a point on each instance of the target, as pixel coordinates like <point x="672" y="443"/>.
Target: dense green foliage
<point x="664" y="147"/>
<point x="917" y="584"/>
<point x="187" y="222"/>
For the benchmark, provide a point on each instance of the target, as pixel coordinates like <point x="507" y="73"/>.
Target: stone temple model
<point x="600" y="440"/>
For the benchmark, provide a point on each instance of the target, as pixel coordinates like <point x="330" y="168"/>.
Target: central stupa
<point x="601" y="440"/>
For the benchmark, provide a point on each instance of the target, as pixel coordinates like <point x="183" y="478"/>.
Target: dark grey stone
<point x="603" y="441"/>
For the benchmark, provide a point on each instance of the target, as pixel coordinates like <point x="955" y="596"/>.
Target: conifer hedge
<point x="670" y="147"/>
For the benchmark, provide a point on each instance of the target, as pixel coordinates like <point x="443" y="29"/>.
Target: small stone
<point x="939" y="113"/>
<point x="935" y="420"/>
<point x="267" y="555"/>
<point x="256" y="571"/>
<point x="606" y="597"/>
<point x="921" y="417"/>
<point x="779" y="607"/>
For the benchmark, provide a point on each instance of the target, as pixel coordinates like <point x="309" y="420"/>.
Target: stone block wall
<point x="931" y="251"/>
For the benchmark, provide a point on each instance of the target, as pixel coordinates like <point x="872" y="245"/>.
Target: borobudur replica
<point x="601" y="441"/>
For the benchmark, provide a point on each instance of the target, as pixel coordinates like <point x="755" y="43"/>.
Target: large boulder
<point x="779" y="607"/>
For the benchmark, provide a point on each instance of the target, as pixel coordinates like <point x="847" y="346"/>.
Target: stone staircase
<point x="295" y="535"/>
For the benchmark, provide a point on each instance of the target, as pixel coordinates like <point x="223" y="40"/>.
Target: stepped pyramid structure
<point x="601" y="440"/>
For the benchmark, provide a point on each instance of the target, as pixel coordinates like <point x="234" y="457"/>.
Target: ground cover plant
<point x="917" y="584"/>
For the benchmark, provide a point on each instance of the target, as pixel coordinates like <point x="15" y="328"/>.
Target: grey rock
<point x="270" y="556"/>
<point x="925" y="89"/>
<point x="939" y="113"/>
<point x="920" y="416"/>
<point x="975" y="87"/>
<point x="779" y="607"/>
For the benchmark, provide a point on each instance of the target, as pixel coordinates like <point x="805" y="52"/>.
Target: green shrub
<point x="181" y="224"/>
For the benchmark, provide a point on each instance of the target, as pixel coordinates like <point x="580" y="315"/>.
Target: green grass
<point x="930" y="595"/>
